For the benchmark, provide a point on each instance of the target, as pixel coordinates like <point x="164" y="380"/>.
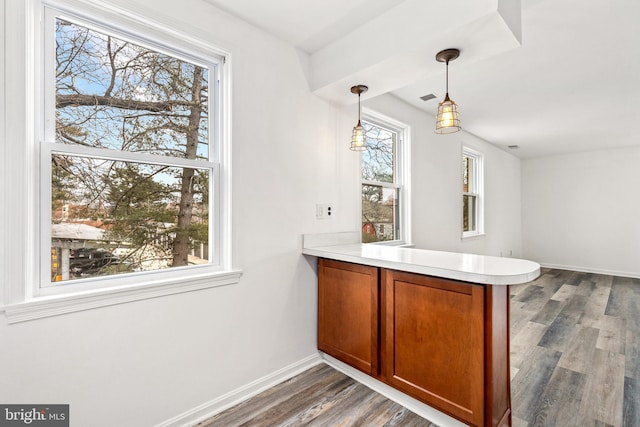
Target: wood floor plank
<point x="574" y="307"/>
<point x="529" y="384"/>
<point x="549" y="312"/>
<point x="525" y="342"/>
<point x="288" y="411"/>
<point x="612" y="335"/>
<point x="519" y="422"/>
<point x="575" y="278"/>
<point x="565" y="276"/>
<point x="354" y="399"/>
<point x="560" y="403"/>
<point x="565" y="292"/>
<point x="632" y="355"/>
<point x="621" y="291"/>
<point x="625" y="301"/>
<point x="560" y="333"/>
<point x="631" y="405"/>
<point x="316" y="381"/>
<point x="598" y="300"/>
<point x="318" y="397"/>
<point x="604" y="390"/>
<point x="579" y="354"/>
<point x="524" y="317"/>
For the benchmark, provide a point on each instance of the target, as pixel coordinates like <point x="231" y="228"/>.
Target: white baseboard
<point x="592" y="270"/>
<point x="215" y="406"/>
<point x="419" y="408"/>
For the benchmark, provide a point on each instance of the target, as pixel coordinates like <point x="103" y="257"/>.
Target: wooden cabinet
<point x="433" y="342"/>
<point x="441" y="341"/>
<point x="348" y="313"/>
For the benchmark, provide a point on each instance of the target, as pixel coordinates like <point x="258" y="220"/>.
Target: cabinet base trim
<point x="419" y="408"/>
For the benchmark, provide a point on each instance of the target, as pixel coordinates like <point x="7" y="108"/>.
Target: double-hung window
<point x="131" y="186"/>
<point x="383" y="181"/>
<point x="472" y="185"/>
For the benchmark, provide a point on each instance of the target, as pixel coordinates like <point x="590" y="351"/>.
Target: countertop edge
<point x="465" y="276"/>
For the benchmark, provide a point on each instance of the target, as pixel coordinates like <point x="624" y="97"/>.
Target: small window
<point x="130" y="170"/>
<point x="471" y="192"/>
<point x="383" y="182"/>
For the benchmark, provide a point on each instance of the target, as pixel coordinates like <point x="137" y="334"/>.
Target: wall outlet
<point x="324" y="211"/>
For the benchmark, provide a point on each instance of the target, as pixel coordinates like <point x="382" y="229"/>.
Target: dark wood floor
<point x="575" y="359"/>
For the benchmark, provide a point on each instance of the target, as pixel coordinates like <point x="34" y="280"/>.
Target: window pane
<point x="468" y="175"/>
<point x="114" y="94"/>
<point x="378" y="159"/>
<point x="110" y="217"/>
<point x="379" y="214"/>
<point x="469" y="213"/>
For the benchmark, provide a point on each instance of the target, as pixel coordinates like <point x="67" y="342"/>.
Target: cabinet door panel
<point x="348" y="313"/>
<point x="434" y="343"/>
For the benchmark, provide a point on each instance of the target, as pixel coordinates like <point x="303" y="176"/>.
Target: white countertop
<point x="480" y="269"/>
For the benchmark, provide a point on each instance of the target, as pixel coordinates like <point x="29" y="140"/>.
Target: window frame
<point x="401" y="175"/>
<point x="477" y="192"/>
<point x="24" y="298"/>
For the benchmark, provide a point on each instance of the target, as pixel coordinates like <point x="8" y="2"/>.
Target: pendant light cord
<point x="447" y="79"/>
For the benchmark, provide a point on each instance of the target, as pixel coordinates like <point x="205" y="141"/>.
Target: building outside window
<point x="383" y="181"/>
<point x="472" y="186"/>
<point x="130" y="154"/>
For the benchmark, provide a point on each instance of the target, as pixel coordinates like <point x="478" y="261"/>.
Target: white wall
<point x="582" y="211"/>
<point x="144" y="362"/>
<point x="437" y="186"/>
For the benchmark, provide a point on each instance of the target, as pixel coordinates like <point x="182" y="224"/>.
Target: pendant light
<point x="357" y="137"/>
<point x="447" y="120"/>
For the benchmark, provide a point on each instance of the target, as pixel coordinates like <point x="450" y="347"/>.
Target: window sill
<point x="471" y="235"/>
<point x="397" y="243"/>
<point x="48" y="306"/>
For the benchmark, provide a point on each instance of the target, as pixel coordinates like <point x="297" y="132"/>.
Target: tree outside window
<point x="381" y="184"/>
<point x="132" y="160"/>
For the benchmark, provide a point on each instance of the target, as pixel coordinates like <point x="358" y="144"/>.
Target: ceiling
<point x="550" y="76"/>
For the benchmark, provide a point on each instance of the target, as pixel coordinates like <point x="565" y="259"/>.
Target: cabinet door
<point x="348" y="313"/>
<point x="433" y="342"/>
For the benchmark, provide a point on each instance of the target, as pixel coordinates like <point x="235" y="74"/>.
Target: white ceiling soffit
<point x="385" y="44"/>
<point x="398" y="47"/>
<point x="307" y="24"/>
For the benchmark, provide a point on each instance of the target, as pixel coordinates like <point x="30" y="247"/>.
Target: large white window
<point x="472" y="187"/>
<point x="132" y="154"/>
<point x="384" y="181"/>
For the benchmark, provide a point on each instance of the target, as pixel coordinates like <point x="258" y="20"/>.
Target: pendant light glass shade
<point x="357" y="137"/>
<point x="447" y="119"/>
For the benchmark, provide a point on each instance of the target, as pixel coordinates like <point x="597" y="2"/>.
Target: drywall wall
<point x="581" y="211"/>
<point x="146" y="362"/>
<point x="436" y="186"/>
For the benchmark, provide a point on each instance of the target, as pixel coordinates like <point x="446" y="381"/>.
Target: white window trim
<point x="479" y="180"/>
<point x="402" y="171"/>
<point x="19" y="217"/>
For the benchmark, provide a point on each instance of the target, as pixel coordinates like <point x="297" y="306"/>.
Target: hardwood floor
<point x="575" y="362"/>
<point x="320" y="397"/>
<point x="575" y="350"/>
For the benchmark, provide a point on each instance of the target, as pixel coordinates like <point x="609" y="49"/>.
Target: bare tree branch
<point x="76" y="100"/>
